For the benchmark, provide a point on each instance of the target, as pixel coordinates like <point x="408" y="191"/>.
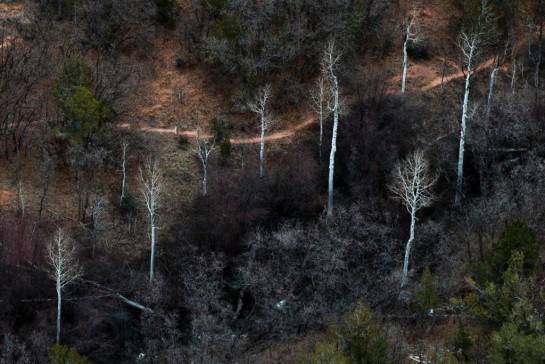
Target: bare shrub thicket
<point x="255" y="41"/>
<point x="238" y="201"/>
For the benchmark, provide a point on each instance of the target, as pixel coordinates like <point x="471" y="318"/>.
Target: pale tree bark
<point x="64" y="268"/>
<point x="410" y="36"/>
<point x="489" y="100"/>
<point x="125" y="146"/>
<point x="202" y="151"/>
<point x="514" y="70"/>
<point x="470" y="47"/>
<point x="151" y="188"/>
<point x="320" y="100"/>
<point x="330" y="63"/>
<point x="412" y="184"/>
<point x="259" y="106"/>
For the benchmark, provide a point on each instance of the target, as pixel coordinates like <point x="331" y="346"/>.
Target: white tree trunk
<point x="404" y="279"/>
<point x="152" y="226"/>
<point x="514" y="74"/>
<point x="151" y="189"/>
<point x="403" y="78"/>
<point x="204" y="178"/>
<point x="152" y="256"/>
<point x="58" y="308"/>
<point x="333" y="147"/>
<point x="262" y="147"/>
<point x="259" y="106"/>
<point x="460" y="176"/>
<point x="65" y="269"/>
<point x="489" y="102"/>
<point x="321" y="130"/>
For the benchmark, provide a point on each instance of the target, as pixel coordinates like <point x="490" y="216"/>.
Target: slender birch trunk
<point x="202" y="151"/>
<point x="152" y="226"/>
<point x="333" y="147"/>
<point x="403" y="78"/>
<point x="489" y="101"/>
<point x="152" y="255"/>
<point x="321" y="131"/>
<point x="404" y="279"/>
<point x="151" y="189"/>
<point x="204" y="178"/>
<point x="262" y="145"/>
<point x="59" y="298"/>
<point x="471" y="43"/>
<point x="259" y="106"/>
<point x="409" y="36"/>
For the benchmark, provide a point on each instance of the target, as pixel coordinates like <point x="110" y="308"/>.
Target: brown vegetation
<point x="252" y="270"/>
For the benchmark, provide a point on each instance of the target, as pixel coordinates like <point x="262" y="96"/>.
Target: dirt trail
<point x="289" y="132"/>
<point x="286" y="133"/>
<point x="438" y="80"/>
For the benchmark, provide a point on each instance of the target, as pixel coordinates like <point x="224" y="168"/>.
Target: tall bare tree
<point x="64" y="267"/>
<point x="471" y="44"/>
<point x="410" y="36"/>
<point x="202" y="151"/>
<point x="320" y="99"/>
<point x="151" y="188"/>
<point x="412" y="185"/>
<point x="489" y="99"/>
<point x="259" y="106"/>
<point x="330" y="63"/>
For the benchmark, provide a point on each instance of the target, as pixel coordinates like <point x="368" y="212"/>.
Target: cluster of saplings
<point x="329" y="232"/>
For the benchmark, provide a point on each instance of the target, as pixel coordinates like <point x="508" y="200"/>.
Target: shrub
<point x="325" y="353"/>
<point x="12" y="350"/>
<point x="226" y="26"/>
<point x="183" y="141"/>
<point x="357" y="337"/>
<point x="85" y="116"/>
<point x="425" y="295"/>
<point x="511" y="345"/>
<point x="74" y="74"/>
<point x="516" y="300"/>
<point x="516" y="236"/>
<point x="221" y="136"/>
<point x="166" y="11"/>
<point x="62" y="354"/>
<point x="461" y="343"/>
<point x="180" y="62"/>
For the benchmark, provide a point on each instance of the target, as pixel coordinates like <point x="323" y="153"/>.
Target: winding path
<point x="289" y="132"/>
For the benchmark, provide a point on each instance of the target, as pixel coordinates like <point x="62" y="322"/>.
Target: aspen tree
<point x="64" y="268"/>
<point x="330" y="63"/>
<point x="151" y="188"/>
<point x="412" y="185"/>
<point x="259" y="106"/>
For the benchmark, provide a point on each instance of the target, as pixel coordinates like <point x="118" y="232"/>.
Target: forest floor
<point x="179" y="101"/>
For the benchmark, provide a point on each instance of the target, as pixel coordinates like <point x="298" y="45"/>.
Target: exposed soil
<point x="6" y="197"/>
<point x="420" y="73"/>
